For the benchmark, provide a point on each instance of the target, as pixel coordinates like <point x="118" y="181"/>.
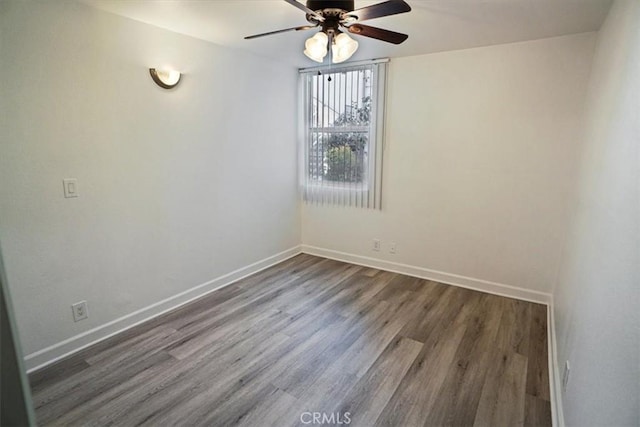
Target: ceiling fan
<point x="333" y="15"/>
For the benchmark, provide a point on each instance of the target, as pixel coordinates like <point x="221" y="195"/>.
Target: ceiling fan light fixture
<point x="343" y="48"/>
<point x="316" y="47"/>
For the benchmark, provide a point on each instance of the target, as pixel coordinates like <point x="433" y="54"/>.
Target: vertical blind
<point x="342" y="138"/>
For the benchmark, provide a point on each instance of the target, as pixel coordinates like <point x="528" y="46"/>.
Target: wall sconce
<point x="165" y="78"/>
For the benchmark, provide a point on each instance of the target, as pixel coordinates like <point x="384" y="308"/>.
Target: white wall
<point x="597" y="297"/>
<point x="481" y="148"/>
<point x="176" y="187"/>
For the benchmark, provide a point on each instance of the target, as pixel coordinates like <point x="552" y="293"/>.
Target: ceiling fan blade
<point x="304" y="27"/>
<point x="391" y="7"/>
<point x="377" y="33"/>
<point x="305" y="9"/>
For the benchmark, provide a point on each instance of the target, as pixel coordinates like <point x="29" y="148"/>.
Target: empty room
<point x="314" y="212"/>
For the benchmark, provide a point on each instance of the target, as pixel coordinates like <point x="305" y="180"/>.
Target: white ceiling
<point x="432" y="25"/>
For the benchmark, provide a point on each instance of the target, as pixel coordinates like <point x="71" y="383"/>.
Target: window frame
<point x="366" y="194"/>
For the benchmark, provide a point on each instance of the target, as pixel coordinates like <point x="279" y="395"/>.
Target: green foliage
<point x="356" y="116"/>
<point x="344" y="164"/>
<point x="354" y="140"/>
<point x="346" y="151"/>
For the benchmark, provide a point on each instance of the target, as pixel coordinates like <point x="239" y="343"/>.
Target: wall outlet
<point x="80" y="311"/>
<point x="393" y="248"/>
<point x="376" y="245"/>
<point x="565" y="375"/>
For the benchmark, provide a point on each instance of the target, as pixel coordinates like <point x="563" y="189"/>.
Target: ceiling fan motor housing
<point x="347" y="5"/>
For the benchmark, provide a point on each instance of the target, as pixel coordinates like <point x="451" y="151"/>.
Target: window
<point x="343" y="116"/>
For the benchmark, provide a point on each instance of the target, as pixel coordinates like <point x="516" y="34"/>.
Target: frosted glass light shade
<point x="165" y="78"/>
<point x="343" y="48"/>
<point x="316" y="47"/>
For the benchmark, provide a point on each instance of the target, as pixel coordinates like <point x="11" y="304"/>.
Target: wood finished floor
<point x="314" y="335"/>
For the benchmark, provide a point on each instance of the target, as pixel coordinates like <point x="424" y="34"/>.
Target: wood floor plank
<point x="537" y="412"/>
<point x="350" y="291"/>
<point x="225" y="329"/>
<point x="144" y="346"/>
<point x="122" y="361"/>
<point x="319" y="336"/>
<point x="210" y="301"/>
<point x="370" y="272"/>
<point x="502" y="400"/>
<point x="111" y="398"/>
<point x="50" y="376"/>
<point x="233" y="410"/>
<point x="258" y="379"/>
<point x="185" y="396"/>
<point x="417" y="393"/>
<point x="296" y="376"/>
<point x="514" y="330"/>
<point x="372" y="342"/>
<point x="398" y="285"/>
<point x="538" y="367"/>
<point x="323" y="395"/>
<point x="459" y="397"/>
<point x="308" y="323"/>
<point x="369" y="292"/>
<point x="442" y="300"/>
<point x="317" y="290"/>
<point x="51" y="407"/>
<point x="269" y="411"/>
<point x="369" y="396"/>
<point x="295" y="266"/>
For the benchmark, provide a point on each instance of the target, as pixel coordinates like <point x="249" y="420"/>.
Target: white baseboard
<point x="52" y="354"/>
<point x="438" y="276"/>
<point x="555" y="384"/>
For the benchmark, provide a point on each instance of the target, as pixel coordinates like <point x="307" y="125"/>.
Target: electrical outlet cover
<point x="565" y="375"/>
<point x="80" y="311"/>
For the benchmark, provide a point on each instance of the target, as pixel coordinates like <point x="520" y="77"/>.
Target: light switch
<point x="70" y="187"/>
